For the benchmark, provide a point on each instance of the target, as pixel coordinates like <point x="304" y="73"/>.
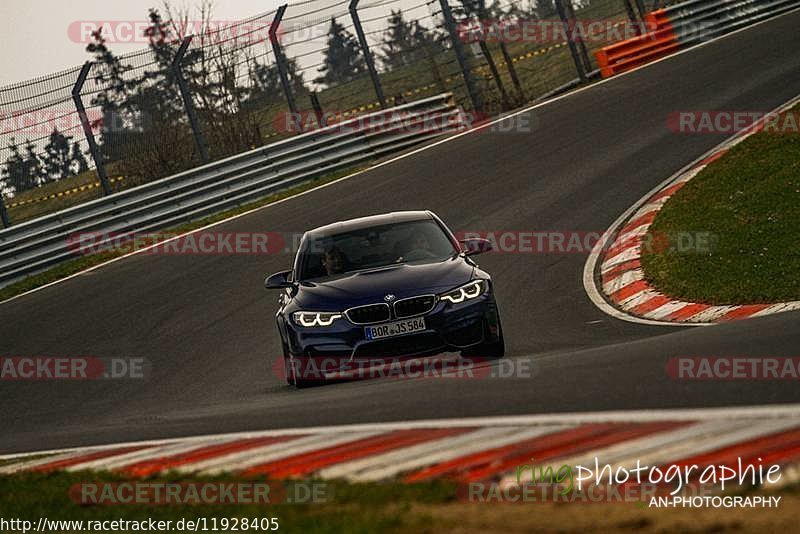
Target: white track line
<point x="665" y="309"/>
<point x="32" y="464"/>
<point x="768" y="411"/>
<point x="390" y="464"/>
<point x="636" y="232"/>
<point x="711" y="314"/>
<point x="639" y="298"/>
<point x="274" y="452"/>
<point x="122" y="460"/>
<point x="775" y="308"/>
<point x="628" y="277"/>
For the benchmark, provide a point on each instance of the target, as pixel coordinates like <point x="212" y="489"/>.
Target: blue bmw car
<point x="380" y="288"/>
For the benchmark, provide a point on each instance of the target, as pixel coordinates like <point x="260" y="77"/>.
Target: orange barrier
<point x="660" y="41"/>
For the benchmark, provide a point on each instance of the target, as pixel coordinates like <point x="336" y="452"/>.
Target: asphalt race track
<point x="205" y="323"/>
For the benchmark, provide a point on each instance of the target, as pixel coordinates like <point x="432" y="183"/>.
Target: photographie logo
<point x="659" y="486"/>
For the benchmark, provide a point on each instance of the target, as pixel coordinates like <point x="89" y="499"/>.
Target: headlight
<point x="469" y="291"/>
<point x="310" y="319"/>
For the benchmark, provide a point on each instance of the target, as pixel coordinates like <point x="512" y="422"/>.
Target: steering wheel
<point x="418" y="254"/>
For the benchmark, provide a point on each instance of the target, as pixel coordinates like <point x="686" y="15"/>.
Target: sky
<point x="36" y="33"/>
<point x="45" y="36"/>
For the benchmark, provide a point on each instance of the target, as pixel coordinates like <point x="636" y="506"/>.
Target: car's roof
<point x="368" y="222"/>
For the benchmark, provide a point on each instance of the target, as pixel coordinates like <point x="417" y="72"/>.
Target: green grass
<point x="344" y="508"/>
<point x="749" y="202"/>
<point x="434" y="506"/>
<point x="84" y="262"/>
<point x="54" y="196"/>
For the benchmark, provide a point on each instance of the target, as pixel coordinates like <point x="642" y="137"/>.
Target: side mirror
<point x="476" y="245"/>
<point x="278" y="280"/>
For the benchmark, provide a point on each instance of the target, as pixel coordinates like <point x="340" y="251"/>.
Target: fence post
<point x="474" y="96"/>
<point x="87" y="128"/>
<point x="637" y="28"/>
<point x="642" y="9"/>
<point x="362" y="40"/>
<point x="495" y="74"/>
<point x="434" y="68"/>
<point x="280" y="60"/>
<point x="570" y="10"/>
<point x="512" y="70"/>
<point x="315" y="105"/>
<point x="3" y="212"/>
<point x="187" y="99"/>
<point x="572" y="48"/>
<point x="483" y="18"/>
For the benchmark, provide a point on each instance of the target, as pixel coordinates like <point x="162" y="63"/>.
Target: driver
<point x="333" y="260"/>
<point x="418" y="248"/>
<point x="420" y="243"/>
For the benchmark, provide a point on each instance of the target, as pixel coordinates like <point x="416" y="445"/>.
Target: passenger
<point x="333" y="260"/>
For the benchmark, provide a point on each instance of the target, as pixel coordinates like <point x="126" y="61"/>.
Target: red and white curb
<point x="613" y="276"/>
<point x="463" y="450"/>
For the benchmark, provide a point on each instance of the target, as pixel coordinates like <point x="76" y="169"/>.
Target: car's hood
<point x="367" y="287"/>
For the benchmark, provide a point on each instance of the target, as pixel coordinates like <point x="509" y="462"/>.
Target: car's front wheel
<point x="287" y="365"/>
<point x="295" y="372"/>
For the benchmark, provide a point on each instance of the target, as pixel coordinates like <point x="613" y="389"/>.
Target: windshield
<point x="378" y="246"/>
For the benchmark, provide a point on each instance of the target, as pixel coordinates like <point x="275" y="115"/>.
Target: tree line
<point x="26" y="168"/>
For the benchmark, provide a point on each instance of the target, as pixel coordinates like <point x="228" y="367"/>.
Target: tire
<point x="492" y="350"/>
<point x="287" y="365"/>
<point x="290" y="372"/>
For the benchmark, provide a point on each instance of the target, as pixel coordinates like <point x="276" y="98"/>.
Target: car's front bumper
<point x="448" y="327"/>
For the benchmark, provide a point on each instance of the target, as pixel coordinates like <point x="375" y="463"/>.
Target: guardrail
<point x="686" y="24"/>
<point x="35" y="245"/>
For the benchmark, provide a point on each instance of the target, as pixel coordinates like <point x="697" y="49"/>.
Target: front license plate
<point x="396" y="328"/>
